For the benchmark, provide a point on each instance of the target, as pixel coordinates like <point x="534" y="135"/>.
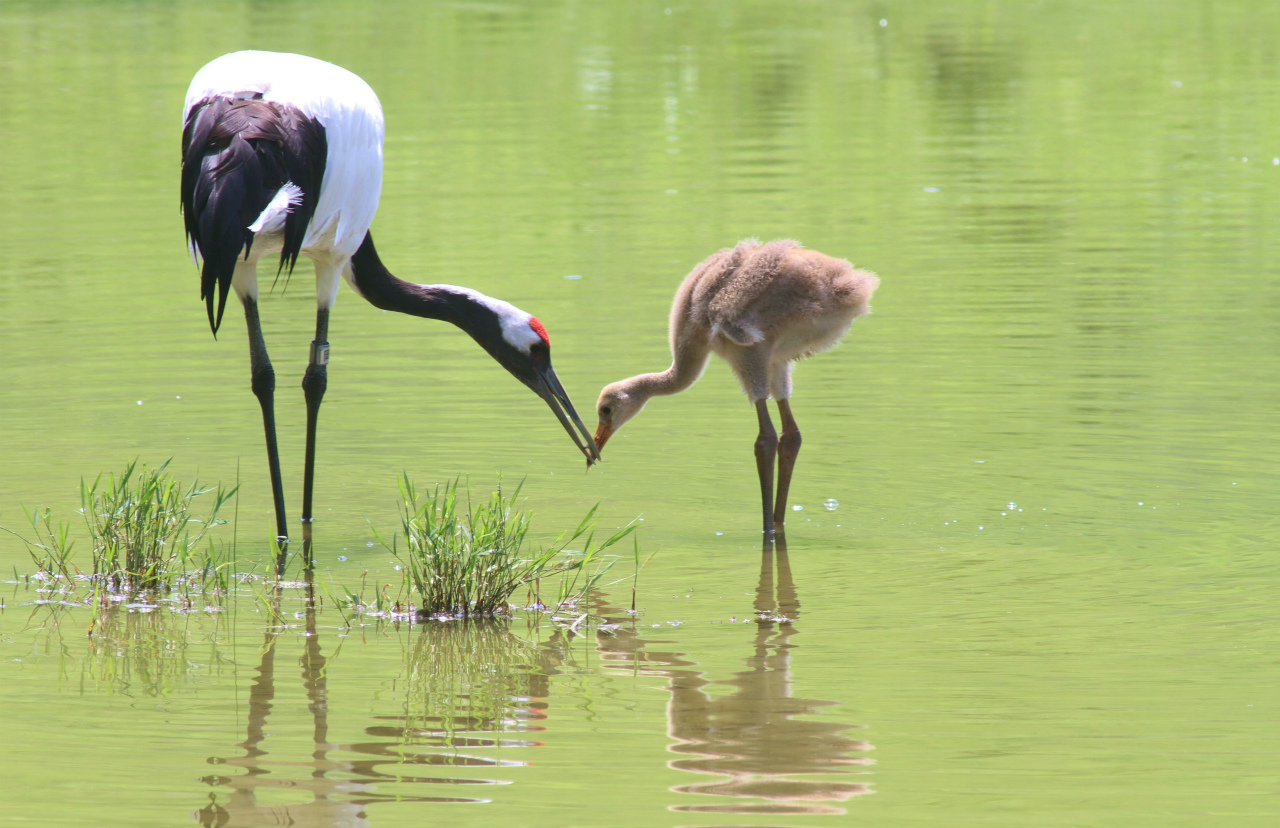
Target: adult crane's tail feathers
<point x="249" y="166"/>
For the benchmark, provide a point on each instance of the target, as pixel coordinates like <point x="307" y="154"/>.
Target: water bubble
<point x="1139" y="502"/>
<point x="342" y="557"/>
<point x="931" y="189"/>
<point x="982" y="527"/>
<point x="719" y="533"/>
<point x="797" y="508"/>
<point x="574" y="276"/>
<point x="370" y="543"/>
<point x="831" y="504"/>
<point x="398" y="567"/>
<point x="883" y="22"/>
<point x="1011" y="506"/>
<point x="139" y="402"/>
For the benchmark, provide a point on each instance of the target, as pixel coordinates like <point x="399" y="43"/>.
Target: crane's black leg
<point x="766" y="451"/>
<point x="313" y="387"/>
<point x="264" y="386"/>
<point x="788" y="450"/>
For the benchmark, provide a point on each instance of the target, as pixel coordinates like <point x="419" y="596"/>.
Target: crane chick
<point x="759" y="307"/>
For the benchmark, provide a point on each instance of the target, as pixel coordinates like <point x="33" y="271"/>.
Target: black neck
<point x="382" y="290"/>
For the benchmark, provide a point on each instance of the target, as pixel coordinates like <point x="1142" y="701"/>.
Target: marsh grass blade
<point x="51" y="550"/>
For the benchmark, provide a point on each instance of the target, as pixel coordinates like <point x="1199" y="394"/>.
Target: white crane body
<point x="282" y="156"/>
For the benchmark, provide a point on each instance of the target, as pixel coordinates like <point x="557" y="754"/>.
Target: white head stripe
<point x="515" y="322"/>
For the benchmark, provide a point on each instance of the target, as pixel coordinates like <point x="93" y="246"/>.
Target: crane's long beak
<point x="550" y="389"/>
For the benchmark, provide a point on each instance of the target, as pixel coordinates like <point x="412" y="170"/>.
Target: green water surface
<point x="1047" y="595"/>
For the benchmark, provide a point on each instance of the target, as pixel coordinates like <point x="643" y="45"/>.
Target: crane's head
<point x="519" y="343"/>
<point x="616" y="405"/>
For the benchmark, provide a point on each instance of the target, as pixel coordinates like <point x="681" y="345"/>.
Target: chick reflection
<point x="750" y="738"/>
<point x="342" y="788"/>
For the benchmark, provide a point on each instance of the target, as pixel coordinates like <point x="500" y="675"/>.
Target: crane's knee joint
<point x="766" y="445"/>
<point x="263" y="381"/>
<point x="314" y="382"/>
<point x="791" y="440"/>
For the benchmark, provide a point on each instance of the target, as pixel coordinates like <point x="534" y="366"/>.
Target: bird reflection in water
<point x="751" y="738"/>
<point x="466" y="685"/>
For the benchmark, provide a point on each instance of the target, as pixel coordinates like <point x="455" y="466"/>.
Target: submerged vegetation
<point x="465" y="559"/>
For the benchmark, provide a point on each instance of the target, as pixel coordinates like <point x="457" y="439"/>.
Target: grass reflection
<point x="151" y="653"/>
<point x="468" y="683"/>
<point x="476" y="677"/>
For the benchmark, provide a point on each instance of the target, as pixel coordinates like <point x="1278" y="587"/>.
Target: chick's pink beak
<point x="603" y="433"/>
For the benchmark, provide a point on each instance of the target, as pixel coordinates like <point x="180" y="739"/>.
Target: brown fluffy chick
<point x="759" y="307"/>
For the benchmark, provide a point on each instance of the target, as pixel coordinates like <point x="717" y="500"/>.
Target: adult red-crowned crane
<point x="281" y="157"/>
<point x="760" y="307"/>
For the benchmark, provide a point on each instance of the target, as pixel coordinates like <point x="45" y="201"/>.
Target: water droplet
<point x="883" y="23"/>
<point x="398" y="567"/>
<point x="931" y="189"/>
<point x="574" y="276"/>
<point x="1011" y="505"/>
<point x="831" y="504"/>
<point x="139" y="402"/>
<point x="982" y="527"/>
<point x="342" y="557"/>
<point x="797" y="508"/>
<point x="370" y="543"/>
<point x="719" y="533"/>
<point x="1139" y="502"/>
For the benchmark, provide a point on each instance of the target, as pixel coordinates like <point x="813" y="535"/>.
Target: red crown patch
<point x="539" y="330"/>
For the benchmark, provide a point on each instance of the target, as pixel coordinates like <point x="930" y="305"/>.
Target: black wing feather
<point x="237" y="153"/>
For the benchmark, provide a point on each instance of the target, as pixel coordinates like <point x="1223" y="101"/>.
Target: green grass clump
<point x="465" y="559"/>
<point x="143" y="527"/>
